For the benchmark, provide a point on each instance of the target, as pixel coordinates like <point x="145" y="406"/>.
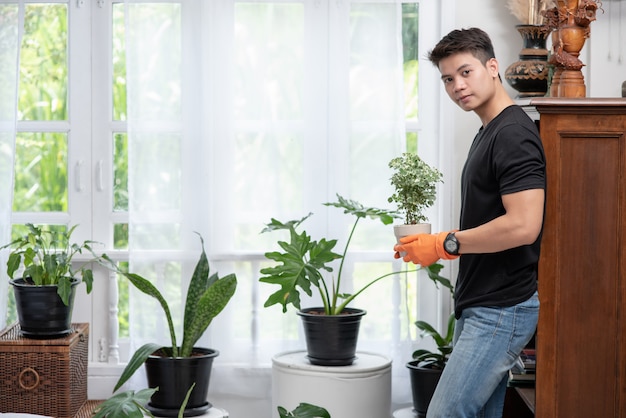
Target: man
<point x="502" y="208"/>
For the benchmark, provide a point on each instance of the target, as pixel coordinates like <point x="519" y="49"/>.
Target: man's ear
<point x="492" y="67"/>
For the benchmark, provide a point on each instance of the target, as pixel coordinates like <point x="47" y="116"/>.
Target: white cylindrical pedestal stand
<point x="405" y="413"/>
<point x="213" y="412"/>
<point x="362" y="389"/>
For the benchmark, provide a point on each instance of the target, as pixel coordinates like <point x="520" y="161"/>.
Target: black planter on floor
<point x="40" y="310"/>
<point x="174" y="377"/>
<point x="423" y="384"/>
<point x="331" y="339"/>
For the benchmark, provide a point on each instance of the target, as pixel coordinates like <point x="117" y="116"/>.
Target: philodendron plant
<point x="304" y="410"/>
<point x="207" y="296"/>
<point x="131" y="404"/>
<point x="304" y="263"/>
<point x="415" y="184"/>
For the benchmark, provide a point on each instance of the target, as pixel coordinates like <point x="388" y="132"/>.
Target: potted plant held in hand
<point x="44" y="279"/>
<point x="174" y="369"/>
<point x="331" y="330"/>
<point x="415" y="184"/>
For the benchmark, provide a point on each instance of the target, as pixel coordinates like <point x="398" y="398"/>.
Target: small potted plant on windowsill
<point x="415" y="184"/>
<point x="175" y="369"/>
<point x="40" y="267"/>
<point x="331" y="331"/>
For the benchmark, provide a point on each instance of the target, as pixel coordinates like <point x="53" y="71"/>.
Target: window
<point x="286" y="103"/>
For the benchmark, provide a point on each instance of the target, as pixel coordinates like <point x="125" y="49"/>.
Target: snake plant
<point x="207" y="296"/>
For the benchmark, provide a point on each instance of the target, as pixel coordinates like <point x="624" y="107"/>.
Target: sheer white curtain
<point x="11" y="14"/>
<point x="243" y="111"/>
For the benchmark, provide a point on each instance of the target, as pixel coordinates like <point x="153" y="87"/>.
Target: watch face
<point x="451" y="245"/>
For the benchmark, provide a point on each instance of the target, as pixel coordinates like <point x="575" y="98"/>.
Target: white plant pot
<point x="405" y="230"/>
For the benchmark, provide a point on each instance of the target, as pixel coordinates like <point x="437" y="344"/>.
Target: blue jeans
<point x="487" y="343"/>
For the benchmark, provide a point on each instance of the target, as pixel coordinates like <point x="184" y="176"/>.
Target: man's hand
<point x="423" y="249"/>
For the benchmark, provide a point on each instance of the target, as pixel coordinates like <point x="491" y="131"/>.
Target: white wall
<point x="606" y="51"/>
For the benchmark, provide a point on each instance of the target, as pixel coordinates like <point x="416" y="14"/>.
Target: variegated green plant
<point x="415" y="183"/>
<point x="207" y="296"/>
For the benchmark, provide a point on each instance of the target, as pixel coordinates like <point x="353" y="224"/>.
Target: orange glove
<point x="423" y="249"/>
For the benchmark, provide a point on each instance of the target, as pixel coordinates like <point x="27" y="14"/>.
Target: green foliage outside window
<point x="40" y="173"/>
<point x="43" y="63"/>
<point x="119" y="63"/>
<point x="410" y="51"/>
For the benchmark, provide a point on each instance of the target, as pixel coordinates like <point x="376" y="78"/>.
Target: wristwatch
<point x="451" y="244"/>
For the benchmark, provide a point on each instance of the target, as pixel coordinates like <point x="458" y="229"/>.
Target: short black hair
<point x="472" y="40"/>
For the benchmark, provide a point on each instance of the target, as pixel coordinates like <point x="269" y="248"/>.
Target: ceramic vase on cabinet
<point x="529" y="75"/>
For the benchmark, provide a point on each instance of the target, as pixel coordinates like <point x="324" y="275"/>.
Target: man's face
<point x="468" y="82"/>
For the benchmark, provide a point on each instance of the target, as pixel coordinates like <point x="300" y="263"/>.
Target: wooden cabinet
<point x="581" y="336"/>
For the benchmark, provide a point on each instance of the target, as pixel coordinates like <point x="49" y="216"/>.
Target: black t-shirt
<point x="506" y="157"/>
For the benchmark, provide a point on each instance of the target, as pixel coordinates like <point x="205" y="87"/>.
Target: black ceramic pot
<point x="174" y="376"/>
<point x="423" y="384"/>
<point x="331" y="339"/>
<point x="40" y="310"/>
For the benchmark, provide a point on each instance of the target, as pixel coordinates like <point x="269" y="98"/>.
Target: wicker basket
<point x="44" y="377"/>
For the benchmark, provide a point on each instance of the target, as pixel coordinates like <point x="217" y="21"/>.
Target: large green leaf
<point x="304" y="410"/>
<point x="352" y="207"/>
<point x="299" y="267"/>
<point x="88" y="279"/>
<point x="433" y="274"/>
<point x="206" y="298"/>
<point x="197" y="286"/>
<point x="149" y="289"/>
<point x="211" y="303"/>
<point x="64" y="288"/>
<point x="181" y="411"/>
<point x="13" y="264"/>
<point x="137" y="360"/>
<point x="428" y="329"/>
<point x="126" y="404"/>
